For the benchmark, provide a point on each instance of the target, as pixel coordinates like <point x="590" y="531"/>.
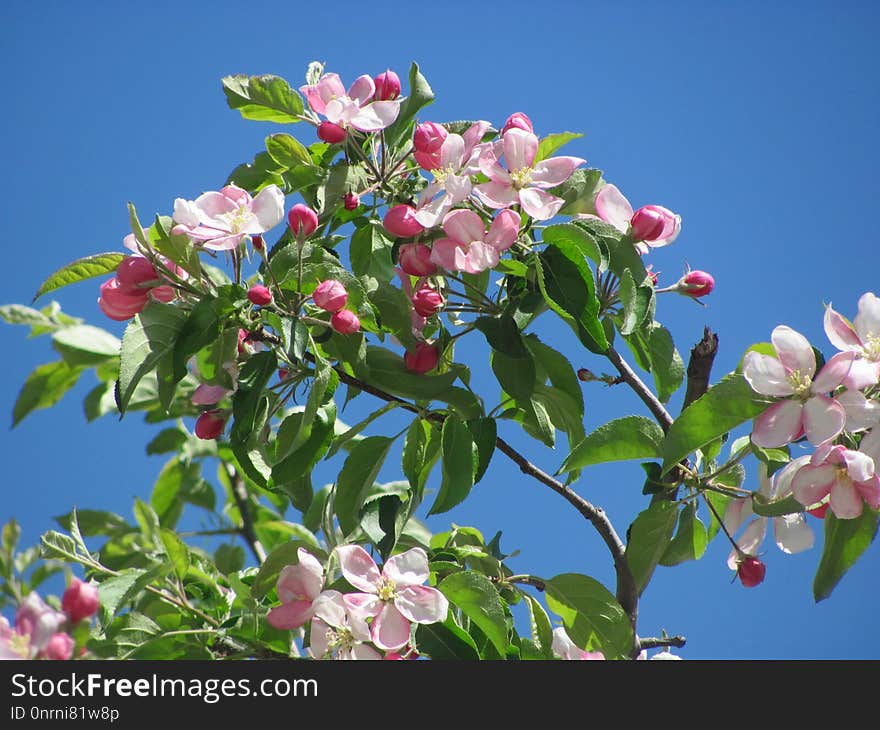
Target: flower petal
<point x="504" y="230"/>
<point x="840" y="331"/>
<point x="833" y="373"/>
<point x="473" y="135"/>
<point x="330" y="607"/>
<point x="268" y="207"/>
<point x="358" y="568"/>
<point x="792" y="534"/>
<point x="452" y="152"/>
<point x="779" y="425"/>
<point x="319" y="643"/>
<point x="520" y="148"/>
<point x="870" y="445"/>
<point x="364" y="652"/>
<point x="290" y="615"/>
<point x="362" y="89"/>
<point x="823" y="419"/>
<point x="390" y="630"/>
<point x="737" y="512"/>
<point x="812" y="483"/>
<point x="870" y="491"/>
<point x="407" y="569"/>
<point x="863" y="374"/>
<point x="464" y="226"/>
<point x="794" y="350"/>
<point x="539" y="204"/>
<point x="867" y="321"/>
<point x="422" y="604"/>
<point x="375" y="116"/>
<point x="859" y="465"/>
<point x="846" y="502"/>
<point x="443" y="253"/>
<point x="783" y="478"/>
<point x="766" y="374"/>
<point x="861" y="413"/>
<point x="753" y="536"/>
<point x="612" y="207"/>
<point x="555" y="171"/>
<point x="496" y="194"/>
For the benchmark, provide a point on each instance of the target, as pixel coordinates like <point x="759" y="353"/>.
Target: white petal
<point x="766" y="375"/>
<point x="794" y="350"/>
<point x="792" y="533"/>
<point x="867" y="321"/>
<point x="407" y="569"/>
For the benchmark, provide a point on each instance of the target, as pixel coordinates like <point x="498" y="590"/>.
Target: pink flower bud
<point x="243" y="337"/>
<point x="427" y="301"/>
<point x="518" y="121"/>
<point x="80" y="600"/>
<point x="751" y="572"/>
<point x="259" y="295"/>
<point x="415" y="259"/>
<point x="330" y="295"/>
<point x="330" y="133"/>
<point x="429" y="137"/>
<point x="424" y="358"/>
<point x="351" y="201"/>
<point x="387" y="86"/>
<point x="210" y="425"/>
<point x="135" y="274"/>
<point x="428" y="160"/>
<point x="162" y="293"/>
<point x="257" y="242"/>
<point x="695" y="284"/>
<point x="652" y="223"/>
<point x="118" y="305"/>
<point x="345" y="322"/>
<point x="400" y="221"/>
<point x="302" y="220"/>
<point x="59" y="648"/>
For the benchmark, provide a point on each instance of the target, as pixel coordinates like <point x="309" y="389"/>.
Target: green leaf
<point x="44" y="387"/>
<point x="630" y="437"/>
<point x="388" y="372"/>
<point x="300" y="461"/>
<point x="458" y="463"/>
<point x="229" y="558"/>
<point x="579" y="192"/>
<point x="395" y="312"/>
<point x="19" y="314"/>
<point x="478" y="599"/>
<point x="591" y="615"/>
<point x="370" y="252"/>
<point x="667" y="366"/>
<point x="148" y="339"/>
<point x="690" y="539"/>
<point x="286" y="554"/>
<point x="420" y="452"/>
<point x="560" y="371"/>
<point x="356" y="478"/>
<point x="446" y="640"/>
<point x="166" y="441"/>
<point x="420" y="95"/>
<point x="202" y="328"/>
<point x="539" y="623"/>
<point x="95" y="522"/>
<point x="323" y="386"/>
<point x="118" y="590"/>
<point x="249" y="402"/>
<point x="766" y="508"/>
<point x="572" y="237"/>
<point x="723" y="407"/>
<point x="484" y="433"/>
<point x="263" y="98"/>
<point x="552" y="142"/>
<point x="57" y="546"/>
<point x="845" y="541"/>
<point x="636" y="301"/>
<point x="87" y="267"/>
<point x="649" y="536"/>
<point x="264" y="171"/>
<point x="287" y="151"/>
<point x="342" y="440"/>
<point x="503" y="335"/>
<point x="177" y="552"/>
<point x="516" y="375"/>
<point x="85" y="345"/>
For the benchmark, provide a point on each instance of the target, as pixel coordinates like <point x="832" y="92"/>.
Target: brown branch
<point x="699" y="366"/>
<point x="654" y="642"/>
<point x="641" y="390"/>
<point x="240" y="495"/>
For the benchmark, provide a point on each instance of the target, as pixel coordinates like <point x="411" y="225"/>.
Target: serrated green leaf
<point x="459" y="462"/>
<point x="85" y="345"/>
<point x="44" y="387"/>
<point x="690" y="538"/>
<point x="177" y="552"/>
<point x="446" y="640"/>
<point x="87" y="267"/>
<point x="264" y="98"/>
<point x="649" y="536"/>
<point x="356" y="479"/>
<point x="845" y="541"/>
<point x="478" y="599"/>
<point x="630" y="437"/>
<point x="287" y="151"/>
<point x="542" y="630"/>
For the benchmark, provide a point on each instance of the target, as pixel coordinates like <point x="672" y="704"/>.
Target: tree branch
<point x="641" y="390"/>
<point x="654" y="642"/>
<point x="240" y="495"/>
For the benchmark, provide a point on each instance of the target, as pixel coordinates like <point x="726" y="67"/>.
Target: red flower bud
<point x="118" y="305"/>
<point x="652" y="223"/>
<point x="429" y="137"/>
<point x="330" y="295"/>
<point x="751" y="571"/>
<point x="330" y="133"/>
<point x="415" y="259"/>
<point x="257" y="242"/>
<point x="424" y="358"/>
<point x="259" y="295"/>
<point x="302" y="220"/>
<point x="283" y="373"/>
<point x="345" y="322"/>
<point x="400" y="221"/>
<point x="387" y="86"/>
<point x="518" y="121"/>
<point x="351" y="201"/>
<point x="210" y="425"/>
<point x="695" y="284"/>
<point x="135" y="274"/>
<point x="60" y="647"/>
<point x="80" y="600"/>
<point x="427" y="301"/>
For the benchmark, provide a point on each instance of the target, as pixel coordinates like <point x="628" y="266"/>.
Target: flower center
<point x="20" y="644"/>
<point x="237" y="219"/>
<point x="521" y="178"/>
<point x="442" y="173"/>
<point x="871" y="348"/>
<point x="800" y="383"/>
<point x="387" y="589"/>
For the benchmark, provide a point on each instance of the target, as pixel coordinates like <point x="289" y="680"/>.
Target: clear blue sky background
<point x="755" y="121"/>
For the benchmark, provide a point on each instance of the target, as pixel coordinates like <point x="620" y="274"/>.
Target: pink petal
<point x="329" y="87"/>
<point x="794" y="350"/>
<point x="520" y="148"/>
<point x="290" y="615"/>
<point x="737" y="512"/>
<point x="861" y="413"/>
<point x="362" y="605"/>
<point x="422" y="604"/>
<point x="207" y="395"/>
<point x="237" y="195"/>
<point x="612" y="207"/>
<point x="833" y="373"/>
<point x="268" y="207"/>
<point x="846" y="502"/>
<point x="555" y="171"/>
<point x="375" y="116"/>
<point x="779" y="425"/>
<point x="824" y="418"/>
<point x="504" y="230"/>
<point x="358" y="568"/>
<point x="214" y="204"/>
<point x="538" y="204"/>
<point x="186" y="212"/>
<point x="489" y="165"/>
<point x="859" y="465"/>
<point x="464" y="226"/>
<point x="473" y="135"/>
<point x="753" y="536"/>
<point x="496" y="194"/>
<point x="792" y="534"/>
<point x="452" y="152"/>
<point x="870" y="445"/>
<point x="362" y="89"/>
<point x="364" y="652"/>
<point x="870" y="491"/>
<point x="840" y="332"/>
<point x="390" y="630"/>
<point x="766" y="374"/>
<point x="223" y="243"/>
<point x="783" y="478"/>
<point x="318" y="641"/>
<point x="407" y="569"/>
<point x="443" y="253"/>
<point x="863" y="374"/>
<point x="480" y="257"/>
<point x="867" y="321"/>
<point x="330" y="607"/>
<point x="812" y="483"/>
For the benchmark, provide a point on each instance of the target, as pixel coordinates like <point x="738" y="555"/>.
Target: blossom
<point x="424" y="358"/>
<point x="330" y="295"/>
<point x="791" y="373"/>
<point x="415" y="259"/>
<point x="337" y="632"/>
<point x="452" y="167"/>
<point x="354" y="108"/>
<point x="351" y="201"/>
<point x="847" y="476"/>
<point x="651" y="226"/>
<point x="427" y="301"/>
<point x="210" y="425"/>
<point x="861" y="337"/>
<point x="35" y="626"/>
<point x="517" y="120"/>
<point x="401" y="221"/>
<point x="59" y="647"/>
<point x="298" y="586"/>
<point x="521" y="179"/>
<point x="302" y="220"/>
<point x="387" y="85"/>
<point x="469" y="247"/>
<point x="80" y="600"/>
<point x="259" y="295"/>
<point x="220" y="220"/>
<point x="394" y="598"/>
<point x="135" y="283"/>
<point x="345" y="322"/>
<point x="564" y="648"/>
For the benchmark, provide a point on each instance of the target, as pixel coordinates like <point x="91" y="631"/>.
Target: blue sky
<point x="754" y="121"/>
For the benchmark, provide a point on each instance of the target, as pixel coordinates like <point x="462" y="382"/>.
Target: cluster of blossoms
<point x="834" y="410"/>
<point x="358" y="625"/>
<point x="41" y="632"/>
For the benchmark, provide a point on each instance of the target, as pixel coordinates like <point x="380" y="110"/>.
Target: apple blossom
<point x="521" y="179"/>
<point x="517" y="120"/>
<point x="80" y="600"/>
<point x="847" y="476"/>
<point x="424" y="358"/>
<point x="297" y="586"/>
<point x="564" y="648"/>
<point x="337" y="632"/>
<point x="35" y="625"/>
<point x="354" y="108"/>
<point x="210" y="425"/>
<point x="118" y="305"/>
<point x="427" y="301"/>
<point x="401" y="221"/>
<point x="862" y="337"/>
<point x="220" y="220"/>
<point x="469" y="247"/>
<point x="330" y="295"/>
<point x="259" y="295"/>
<point x="387" y="85"/>
<point x="651" y="226"/>
<point x="208" y="395"/>
<point x="394" y="598"/>
<point x="428" y="138"/>
<point x="345" y="322"/>
<point x="351" y="201"/>
<point x="59" y="647"/>
<point x="791" y="373"/>
<point x="303" y="221"/>
<point x="415" y="259"/>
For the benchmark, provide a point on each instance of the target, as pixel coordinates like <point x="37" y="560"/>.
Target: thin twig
<point x="641" y="390"/>
<point x="240" y="495"/>
<point x="653" y="642"/>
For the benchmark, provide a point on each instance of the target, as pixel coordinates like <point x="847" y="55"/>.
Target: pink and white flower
<point x="861" y="337"/>
<point x="848" y="476"/>
<point x="395" y="598"/>
<point x="35" y="626"/>
<point x="521" y="179"/>
<point x="564" y="648"/>
<point x="791" y="374"/>
<point x="651" y="226"/>
<point x="337" y="633"/>
<point x="298" y="586"/>
<point x="219" y="220"/>
<point x="469" y="247"/>
<point x="353" y="108"/>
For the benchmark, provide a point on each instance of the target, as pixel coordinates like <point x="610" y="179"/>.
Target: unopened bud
<point x="751" y="571"/>
<point x="387" y="86"/>
<point x="427" y="301"/>
<point x="80" y="600"/>
<point x="429" y="137"/>
<point x="415" y="259"/>
<point x="424" y="358"/>
<point x="330" y="295"/>
<point x="330" y="133"/>
<point x="345" y="322"/>
<point x="351" y="201"/>
<point x="400" y="221"/>
<point x="210" y="425"/>
<point x="257" y="242"/>
<point x="518" y="121"/>
<point x="259" y="295"/>
<point x="302" y="220"/>
<point x="695" y="284"/>
<point x="653" y="223"/>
